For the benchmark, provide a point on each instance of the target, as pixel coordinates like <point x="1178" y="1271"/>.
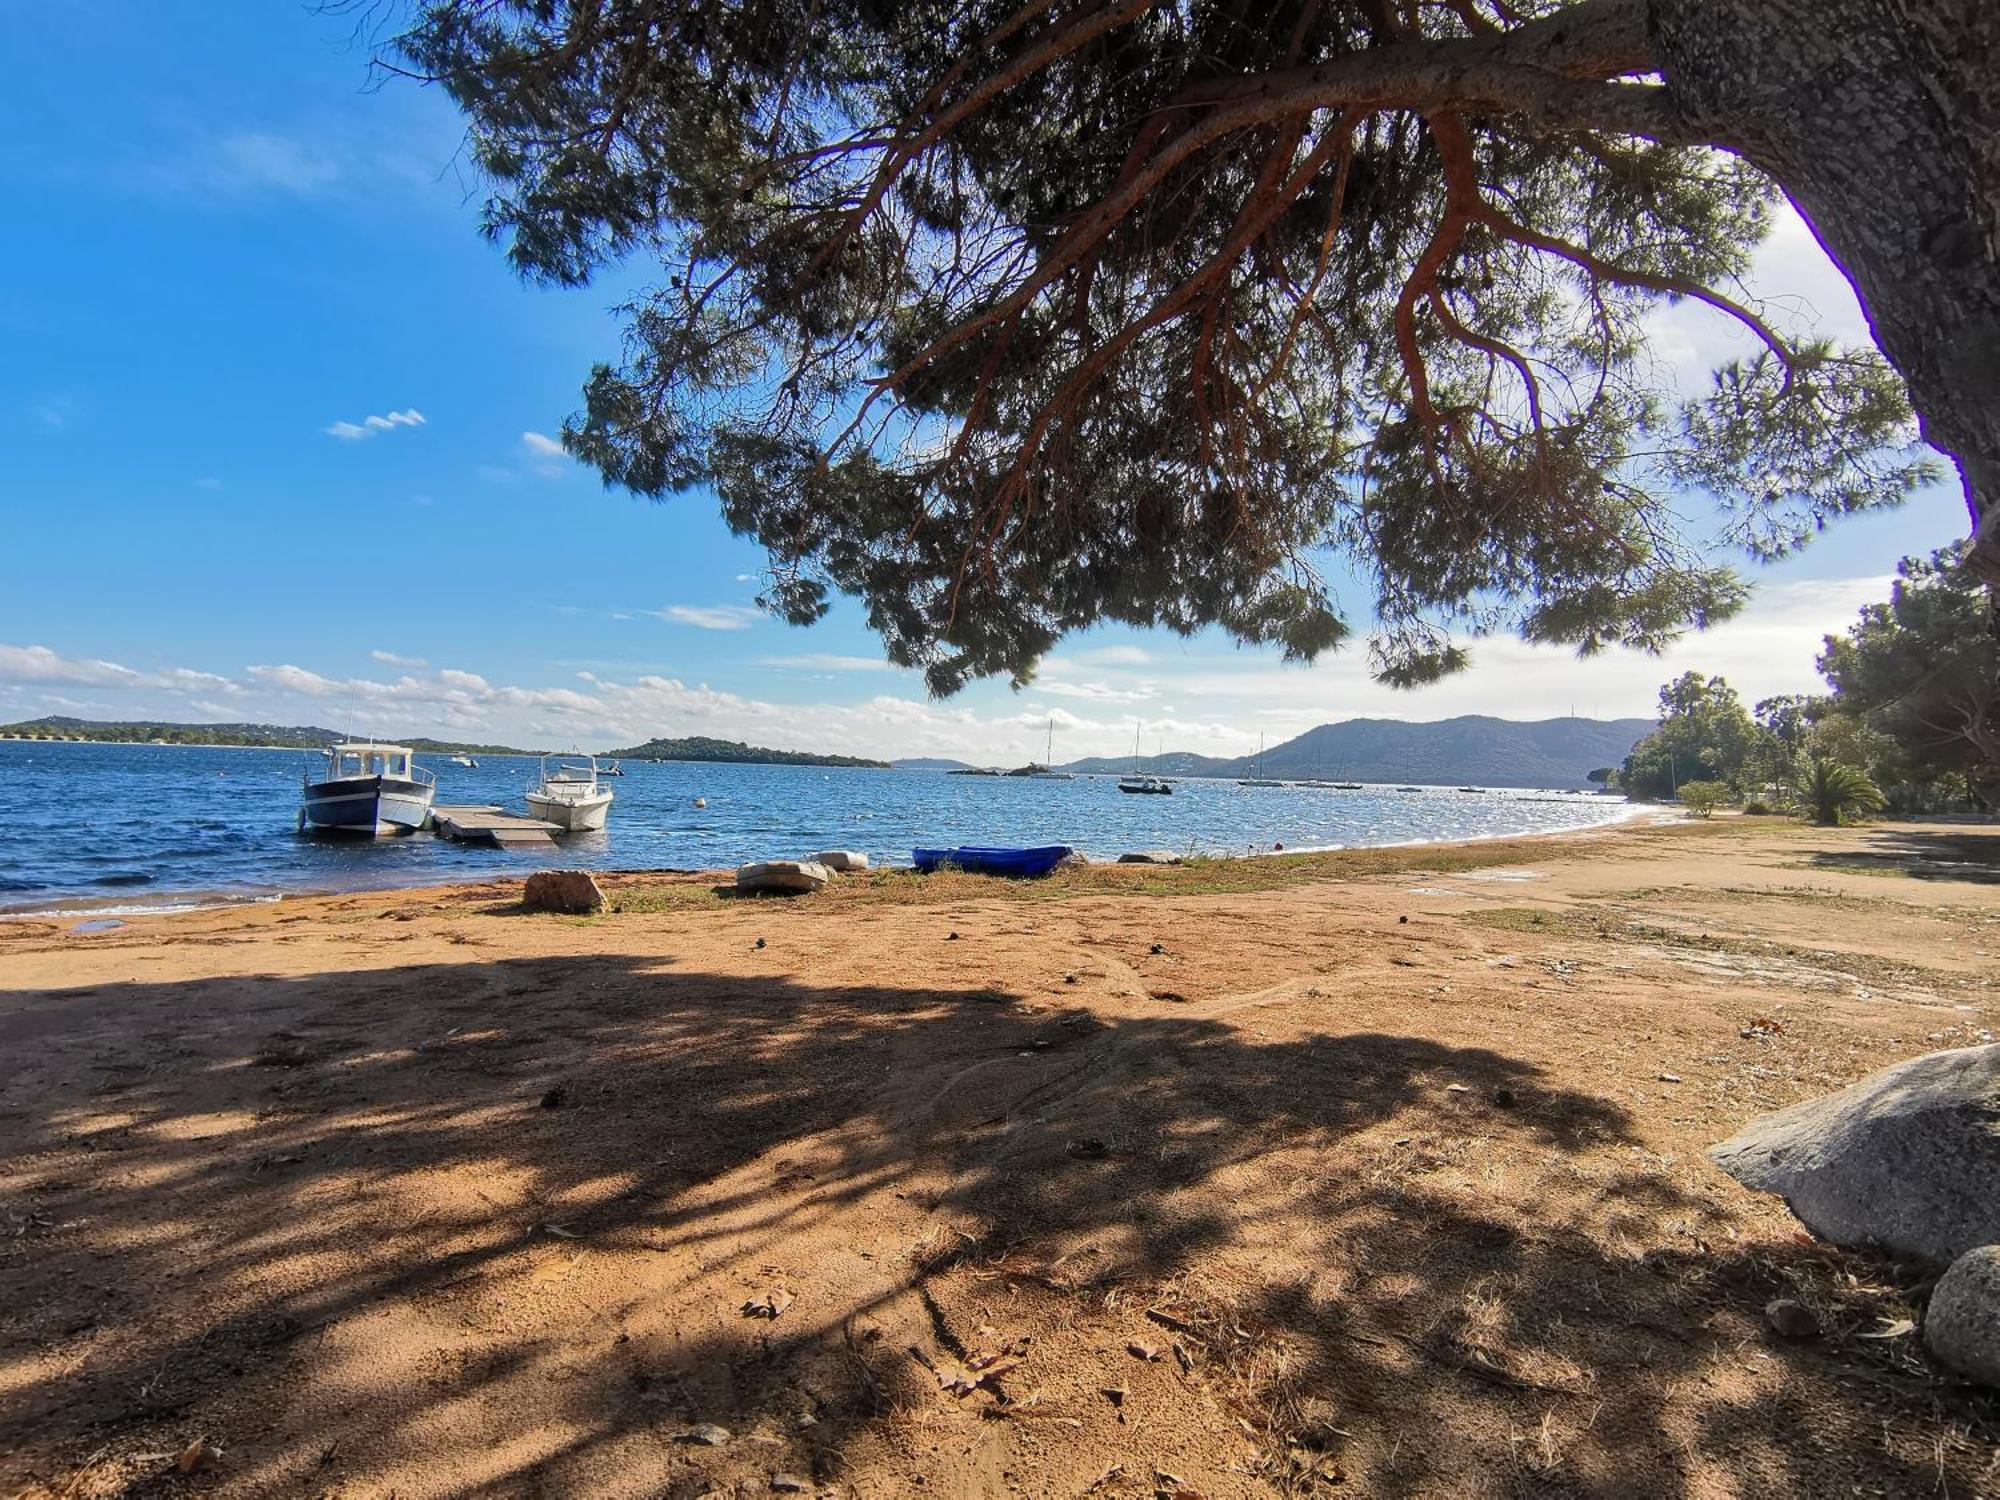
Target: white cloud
<point x="1102" y="692"/>
<point x="826" y="661"/>
<point x="1796" y="287"/>
<point x="1229" y="696"/>
<point x="545" y="456"/>
<point x="40" y="664"/>
<point x="709" y="616"/>
<point x="1112" y="656"/>
<point x="390" y="658"/>
<point x="350" y="432"/>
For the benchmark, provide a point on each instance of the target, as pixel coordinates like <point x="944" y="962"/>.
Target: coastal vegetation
<point x="1014" y="320"/>
<point x="1910" y="721"/>
<point x="702" y="747"/>
<point x="256" y="736"/>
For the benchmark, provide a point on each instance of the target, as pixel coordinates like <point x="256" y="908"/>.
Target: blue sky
<point x="275" y="444"/>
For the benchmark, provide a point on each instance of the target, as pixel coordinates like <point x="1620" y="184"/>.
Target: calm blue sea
<point x="112" y="826"/>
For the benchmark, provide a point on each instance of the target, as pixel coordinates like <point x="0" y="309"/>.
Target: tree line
<point x="1910" y="720"/>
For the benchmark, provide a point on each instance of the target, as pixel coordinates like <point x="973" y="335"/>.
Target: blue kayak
<point x="977" y="860"/>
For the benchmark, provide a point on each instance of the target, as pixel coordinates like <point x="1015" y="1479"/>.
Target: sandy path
<point x="1392" y="1185"/>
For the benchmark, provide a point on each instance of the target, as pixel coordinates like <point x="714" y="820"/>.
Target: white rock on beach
<point x="1907" y="1160"/>
<point x="841" y="859"/>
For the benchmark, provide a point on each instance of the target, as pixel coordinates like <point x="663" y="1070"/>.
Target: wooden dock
<point x="491" y="825"/>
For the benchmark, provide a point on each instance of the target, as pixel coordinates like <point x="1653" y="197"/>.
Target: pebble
<point x="1790" y="1318"/>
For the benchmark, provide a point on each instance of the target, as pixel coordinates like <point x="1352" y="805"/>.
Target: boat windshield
<point x="357" y="761"/>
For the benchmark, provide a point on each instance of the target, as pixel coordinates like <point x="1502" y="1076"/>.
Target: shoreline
<point x="124" y="907"/>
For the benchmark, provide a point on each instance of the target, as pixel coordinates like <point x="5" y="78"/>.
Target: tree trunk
<point x="1881" y="120"/>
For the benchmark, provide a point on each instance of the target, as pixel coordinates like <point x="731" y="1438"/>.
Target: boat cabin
<point x="367" y="759"/>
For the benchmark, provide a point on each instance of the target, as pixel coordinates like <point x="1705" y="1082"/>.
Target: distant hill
<point x="1173" y="763"/>
<point x="927" y="763"/>
<point x="701" y="747"/>
<point x="269" y="736"/>
<point x="1473" y="750"/>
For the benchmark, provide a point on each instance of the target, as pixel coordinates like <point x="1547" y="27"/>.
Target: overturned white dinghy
<point x="794" y="877"/>
<point x="841" y="859"/>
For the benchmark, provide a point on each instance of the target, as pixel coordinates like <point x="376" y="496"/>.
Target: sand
<point x="1373" y="1174"/>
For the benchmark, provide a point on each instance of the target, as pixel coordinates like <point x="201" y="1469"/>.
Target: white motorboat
<point x="462" y="759"/>
<point x="369" y="789"/>
<point x="571" y="798"/>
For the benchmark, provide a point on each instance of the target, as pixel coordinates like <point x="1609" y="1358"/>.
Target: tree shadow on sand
<point x="490" y="1228"/>
<point x="1958" y="854"/>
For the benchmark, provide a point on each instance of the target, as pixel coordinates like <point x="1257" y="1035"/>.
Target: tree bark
<point x="1881" y="121"/>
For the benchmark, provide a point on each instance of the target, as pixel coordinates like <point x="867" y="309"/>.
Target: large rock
<point x="1907" y="1160"/>
<point x="1963" y="1323"/>
<point x="791" y="877"/>
<point x="573" y="891"/>
<point x="841" y="859"/>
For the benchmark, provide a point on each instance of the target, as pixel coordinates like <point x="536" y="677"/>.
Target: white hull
<point x="571" y="814"/>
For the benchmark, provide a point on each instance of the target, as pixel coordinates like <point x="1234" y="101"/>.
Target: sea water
<point x="112" y="829"/>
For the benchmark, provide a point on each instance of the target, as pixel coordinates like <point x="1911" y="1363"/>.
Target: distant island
<point x="701" y="747"/>
<point x="252" y="736"/>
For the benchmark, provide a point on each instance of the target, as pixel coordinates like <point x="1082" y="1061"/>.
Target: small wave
<point x="122" y="878"/>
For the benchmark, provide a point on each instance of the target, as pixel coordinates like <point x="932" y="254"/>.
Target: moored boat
<point x="571" y="798"/>
<point x="1257" y="776"/>
<point x="462" y="759"/>
<point x="367" y="788"/>
<point x="1140" y="783"/>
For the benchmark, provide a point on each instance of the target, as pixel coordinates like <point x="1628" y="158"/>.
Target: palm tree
<point x="1831" y="792"/>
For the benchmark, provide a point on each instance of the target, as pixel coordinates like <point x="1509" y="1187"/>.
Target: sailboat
<point x="1046" y="771"/>
<point x="1256" y="776"/>
<point x="1142" y="785"/>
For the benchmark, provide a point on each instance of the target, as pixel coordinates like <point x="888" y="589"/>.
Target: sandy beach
<point x="1374" y="1173"/>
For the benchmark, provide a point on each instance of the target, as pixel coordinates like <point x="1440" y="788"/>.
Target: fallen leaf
<point x="1103" y="1479"/>
<point x="195" y="1455"/>
<point x="1670" y="1078"/>
<point x="1456" y="1088"/>
<point x="1892" y="1328"/>
<point x="1147" y="1352"/>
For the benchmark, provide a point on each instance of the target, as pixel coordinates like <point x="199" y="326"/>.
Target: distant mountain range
<point x="1473" y="750"/>
<point x="701" y="747"/>
<point x="261" y="736"/>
